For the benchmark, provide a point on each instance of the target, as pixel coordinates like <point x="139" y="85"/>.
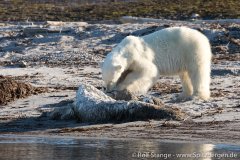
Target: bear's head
<point x="118" y="61"/>
<point x="112" y="69"/>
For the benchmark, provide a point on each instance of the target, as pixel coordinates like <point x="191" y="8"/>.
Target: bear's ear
<point x="118" y="67"/>
<point x="130" y="37"/>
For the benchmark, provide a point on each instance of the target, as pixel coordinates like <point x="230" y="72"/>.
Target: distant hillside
<point x="90" y="10"/>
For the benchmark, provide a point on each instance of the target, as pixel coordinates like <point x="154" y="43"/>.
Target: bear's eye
<point x="117" y="67"/>
<point x="104" y="89"/>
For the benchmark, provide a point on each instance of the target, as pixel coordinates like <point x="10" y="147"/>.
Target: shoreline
<point x="67" y="137"/>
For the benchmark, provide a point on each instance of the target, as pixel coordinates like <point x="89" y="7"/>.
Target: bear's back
<point x="173" y="38"/>
<point x="175" y="47"/>
<point x="175" y="34"/>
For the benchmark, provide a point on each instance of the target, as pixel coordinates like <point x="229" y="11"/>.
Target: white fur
<point x="173" y="51"/>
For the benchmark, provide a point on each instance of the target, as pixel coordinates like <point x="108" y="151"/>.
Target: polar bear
<point x="137" y="62"/>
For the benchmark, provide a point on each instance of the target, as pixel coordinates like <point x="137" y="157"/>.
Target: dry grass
<point x="11" y="90"/>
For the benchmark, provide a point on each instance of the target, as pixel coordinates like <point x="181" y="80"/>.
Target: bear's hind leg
<point x="200" y="78"/>
<point x="187" y="89"/>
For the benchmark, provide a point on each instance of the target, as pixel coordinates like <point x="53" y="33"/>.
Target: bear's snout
<point x="110" y="87"/>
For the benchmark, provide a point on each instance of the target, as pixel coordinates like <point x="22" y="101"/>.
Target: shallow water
<point x="27" y="147"/>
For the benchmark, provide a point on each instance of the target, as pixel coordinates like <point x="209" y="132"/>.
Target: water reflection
<point x="69" y="148"/>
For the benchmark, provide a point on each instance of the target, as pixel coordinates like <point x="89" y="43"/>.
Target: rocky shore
<point x="52" y="59"/>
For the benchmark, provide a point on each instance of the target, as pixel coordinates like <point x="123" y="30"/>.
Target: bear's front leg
<point x="187" y="89"/>
<point x="137" y="82"/>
